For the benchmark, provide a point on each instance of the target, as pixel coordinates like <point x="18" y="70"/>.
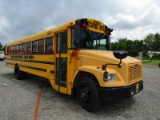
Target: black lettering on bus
<point x="26" y="57"/>
<point x="93" y="25"/>
<point x="101" y="28"/>
<point x="31" y="57"/>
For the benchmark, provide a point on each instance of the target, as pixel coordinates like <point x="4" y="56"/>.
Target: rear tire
<point x="88" y="94"/>
<point x="18" y="74"/>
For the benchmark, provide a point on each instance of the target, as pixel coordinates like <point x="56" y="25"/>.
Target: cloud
<point x="136" y="25"/>
<point x="3" y="23"/>
<point x="129" y="21"/>
<point x="132" y="19"/>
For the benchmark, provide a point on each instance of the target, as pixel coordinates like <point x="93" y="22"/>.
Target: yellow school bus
<point x="76" y="59"/>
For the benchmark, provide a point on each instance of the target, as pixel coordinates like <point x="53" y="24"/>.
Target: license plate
<point x="137" y="86"/>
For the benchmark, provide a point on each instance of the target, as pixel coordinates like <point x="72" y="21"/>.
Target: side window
<point x="24" y="47"/>
<point x="11" y="49"/>
<point x="29" y="47"/>
<point x="17" y="48"/>
<point x="58" y="43"/>
<point x="41" y="45"/>
<point x="72" y="44"/>
<point x="8" y="50"/>
<point x="34" y="46"/>
<point x="49" y="44"/>
<point x="20" y="48"/>
<point x="64" y="42"/>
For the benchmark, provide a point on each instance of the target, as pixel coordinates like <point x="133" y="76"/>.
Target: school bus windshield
<point x="93" y="40"/>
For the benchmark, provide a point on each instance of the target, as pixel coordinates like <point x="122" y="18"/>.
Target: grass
<point x="153" y="62"/>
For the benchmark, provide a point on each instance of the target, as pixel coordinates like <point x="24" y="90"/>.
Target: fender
<point x="98" y="73"/>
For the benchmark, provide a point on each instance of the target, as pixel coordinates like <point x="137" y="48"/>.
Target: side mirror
<point x="120" y="54"/>
<point x="76" y="35"/>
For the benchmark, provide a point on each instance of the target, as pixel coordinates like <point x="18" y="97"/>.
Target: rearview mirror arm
<point x="118" y="65"/>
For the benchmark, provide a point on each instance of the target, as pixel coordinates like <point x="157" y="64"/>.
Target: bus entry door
<point x="61" y="61"/>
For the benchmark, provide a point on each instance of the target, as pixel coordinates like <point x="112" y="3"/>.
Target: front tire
<point x="88" y="94"/>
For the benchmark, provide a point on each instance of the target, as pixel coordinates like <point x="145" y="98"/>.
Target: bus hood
<point x="99" y="57"/>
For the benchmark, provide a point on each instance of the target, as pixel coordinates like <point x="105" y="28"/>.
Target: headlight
<point x="109" y="77"/>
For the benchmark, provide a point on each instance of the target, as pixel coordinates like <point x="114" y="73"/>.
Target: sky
<point x="131" y="19"/>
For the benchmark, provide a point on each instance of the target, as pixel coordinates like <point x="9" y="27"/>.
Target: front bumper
<point x="121" y="92"/>
<point x="2" y="59"/>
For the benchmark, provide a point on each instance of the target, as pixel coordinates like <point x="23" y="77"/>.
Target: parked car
<point x="2" y="56"/>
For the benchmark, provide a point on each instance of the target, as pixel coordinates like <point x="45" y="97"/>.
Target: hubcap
<point x="84" y="93"/>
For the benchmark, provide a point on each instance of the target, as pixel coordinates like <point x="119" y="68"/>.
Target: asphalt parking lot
<point x="18" y="100"/>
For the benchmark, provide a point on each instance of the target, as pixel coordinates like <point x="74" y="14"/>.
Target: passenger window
<point x="24" y="47"/>
<point x="34" y="46"/>
<point x="41" y="45"/>
<point x="49" y="44"/>
<point x="8" y="50"/>
<point x="11" y="49"/>
<point x="29" y="47"/>
<point x="17" y="48"/>
<point x="20" y="48"/>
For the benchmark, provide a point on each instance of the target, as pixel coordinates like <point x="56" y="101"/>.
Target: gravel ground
<point x="18" y="100"/>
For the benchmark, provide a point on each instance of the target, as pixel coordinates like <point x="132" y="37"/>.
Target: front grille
<point x="134" y="72"/>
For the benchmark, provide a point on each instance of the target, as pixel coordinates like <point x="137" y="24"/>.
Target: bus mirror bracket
<point x="119" y="55"/>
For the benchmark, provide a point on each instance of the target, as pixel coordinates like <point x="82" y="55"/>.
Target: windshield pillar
<point x="107" y="42"/>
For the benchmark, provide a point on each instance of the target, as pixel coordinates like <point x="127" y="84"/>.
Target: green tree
<point x="137" y="47"/>
<point x="132" y="46"/>
<point x="4" y="49"/>
<point x="1" y="46"/>
<point x="152" y="42"/>
<point x="156" y="42"/>
<point x="148" y="41"/>
<point x="120" y="45"/>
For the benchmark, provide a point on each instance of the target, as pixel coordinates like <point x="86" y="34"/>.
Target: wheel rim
<point x="85" y="94"/>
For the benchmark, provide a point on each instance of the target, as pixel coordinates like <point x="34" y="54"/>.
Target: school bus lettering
<point x="102" y="28"/>
<point x="76" y="59"/>
<point x="96" y="25"/>
<point x="93" y="25"/>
